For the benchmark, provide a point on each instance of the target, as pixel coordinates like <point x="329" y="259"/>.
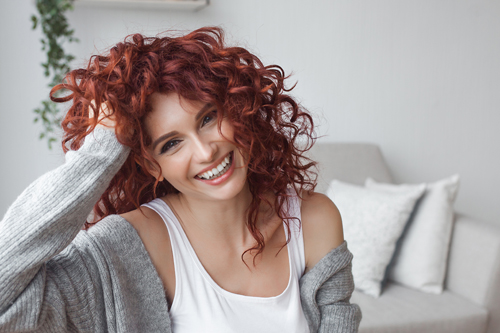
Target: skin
<point x="213" y="217"/>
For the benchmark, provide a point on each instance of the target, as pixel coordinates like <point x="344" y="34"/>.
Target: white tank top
<point x="201" y="305"/>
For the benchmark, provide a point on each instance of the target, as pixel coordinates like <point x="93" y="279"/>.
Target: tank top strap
<point x="181" y="247"/>
<point x="296" y="245"/>
<point x="168" y="217"/>
<point x="185" y="270"/>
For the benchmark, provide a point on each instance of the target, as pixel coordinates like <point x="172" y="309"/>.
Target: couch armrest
<point x="474" y="265"/>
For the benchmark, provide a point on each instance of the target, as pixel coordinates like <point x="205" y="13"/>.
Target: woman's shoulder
<point x="321" y="225"/>
<point x="112" y="229"/>
<point x="139" y="218"/>
<point x="156" y="240"/>
<point x="144" y="220"/>
<point x="113" y="236"/>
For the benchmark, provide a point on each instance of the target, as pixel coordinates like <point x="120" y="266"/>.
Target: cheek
<point x="227" y="130"/>
<point x="174" y="171"/>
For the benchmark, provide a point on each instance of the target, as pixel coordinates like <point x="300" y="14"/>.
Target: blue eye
<point x="209" y="117"/>
<point x="167" y="146"/>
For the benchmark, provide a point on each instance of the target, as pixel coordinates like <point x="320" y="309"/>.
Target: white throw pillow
<point x="421" y="256"/>
<point x="373" y="220"/>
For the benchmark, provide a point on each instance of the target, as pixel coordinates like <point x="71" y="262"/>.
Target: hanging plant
<point x="52" y="20"/>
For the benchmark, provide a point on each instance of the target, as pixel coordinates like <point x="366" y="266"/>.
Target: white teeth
<point x="215" y="171"/>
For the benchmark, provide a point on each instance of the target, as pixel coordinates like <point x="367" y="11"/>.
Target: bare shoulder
<point x="141" y="219"/>
<point x="149" y="225"/>
<point x="322" y="226"/>
<point x="154" y="235"/>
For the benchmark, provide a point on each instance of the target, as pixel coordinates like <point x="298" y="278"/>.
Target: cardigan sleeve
<point x="47" y="283"/>
<point x="325" y="293"/>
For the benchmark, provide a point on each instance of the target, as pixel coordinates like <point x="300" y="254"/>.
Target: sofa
<point x="470" y="302"/>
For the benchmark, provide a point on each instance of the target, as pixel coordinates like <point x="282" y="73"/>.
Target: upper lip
<point x="215" y="164"/>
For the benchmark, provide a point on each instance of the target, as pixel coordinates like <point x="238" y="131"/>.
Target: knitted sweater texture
<point x="55" y="277"/>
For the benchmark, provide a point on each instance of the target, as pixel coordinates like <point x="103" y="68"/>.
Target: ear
<point x="154" y="171"/>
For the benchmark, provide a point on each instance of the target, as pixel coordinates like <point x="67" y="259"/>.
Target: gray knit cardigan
<point x="55" y="277"/>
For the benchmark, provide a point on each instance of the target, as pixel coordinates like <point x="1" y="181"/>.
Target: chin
<point x="230" y="192"/>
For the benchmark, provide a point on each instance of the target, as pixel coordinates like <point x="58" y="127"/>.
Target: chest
<point x="264" y="275"/>
<point x="267" y="278"/>
<point x="216" y="291"/>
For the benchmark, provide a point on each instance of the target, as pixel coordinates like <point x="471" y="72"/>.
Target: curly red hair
<point x="268" y="122"/>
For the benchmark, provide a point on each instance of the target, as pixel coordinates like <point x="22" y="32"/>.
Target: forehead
<point x="171" y="103"/>
<point x="170" y="111"/>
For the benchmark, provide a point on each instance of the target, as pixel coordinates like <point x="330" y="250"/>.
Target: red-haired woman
<point x="204" y="217"/>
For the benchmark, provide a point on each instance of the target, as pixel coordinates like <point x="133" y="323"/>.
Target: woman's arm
<point x="35" y="291"/>
<point x="327" y="284"/>
<point x="322" y="227"/>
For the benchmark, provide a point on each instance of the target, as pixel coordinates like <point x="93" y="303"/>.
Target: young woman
<point x="204" y="216"/>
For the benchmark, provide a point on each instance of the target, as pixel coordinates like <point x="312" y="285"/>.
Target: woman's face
<point x="188" y="147"/>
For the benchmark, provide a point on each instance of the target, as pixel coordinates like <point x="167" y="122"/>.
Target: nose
<point x="206" y="150"/>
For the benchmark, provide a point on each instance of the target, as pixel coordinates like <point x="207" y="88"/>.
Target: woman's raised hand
<point x="106" y="119"/>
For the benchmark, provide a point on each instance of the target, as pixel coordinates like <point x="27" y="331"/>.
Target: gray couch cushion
<point x="349" y="162"/>
<point x="404" y="310"/>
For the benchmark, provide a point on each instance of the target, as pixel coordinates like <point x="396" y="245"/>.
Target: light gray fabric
<point x="420" y="260"/>
<point x="56" y="278"/>
<point x="474" y="265"/>
<point x="403" y="310"/>
<point x="325" y="292"/>
<point x="349" y="162"/>
<point x="373" y="221"/>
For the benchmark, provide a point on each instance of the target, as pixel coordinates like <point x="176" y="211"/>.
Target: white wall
<point x="420" y="78"/>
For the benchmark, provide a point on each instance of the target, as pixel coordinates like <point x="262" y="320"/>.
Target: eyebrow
<point x="174" y="133"/>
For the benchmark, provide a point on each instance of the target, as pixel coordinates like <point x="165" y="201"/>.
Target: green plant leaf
<point x="35" y="21"/>
<point x="56" y="30"/>
<point x="50" y="142"/>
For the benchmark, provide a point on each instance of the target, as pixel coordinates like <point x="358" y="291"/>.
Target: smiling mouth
<point x="218" y="170"/>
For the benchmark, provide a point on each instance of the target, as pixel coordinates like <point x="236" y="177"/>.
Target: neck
<point x="221" y="221"/>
